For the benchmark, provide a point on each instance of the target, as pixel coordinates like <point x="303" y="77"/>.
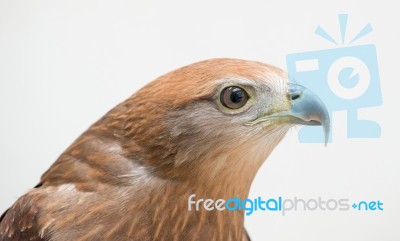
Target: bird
<point x="203" y="129"/>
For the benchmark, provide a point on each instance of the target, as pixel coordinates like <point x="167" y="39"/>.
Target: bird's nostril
<point x="295" y="96"/>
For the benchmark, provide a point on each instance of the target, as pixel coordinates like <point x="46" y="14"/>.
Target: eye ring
<point x="233" y="97"/>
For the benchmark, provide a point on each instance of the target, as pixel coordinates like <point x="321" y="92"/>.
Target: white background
<point x="63" y="64"/>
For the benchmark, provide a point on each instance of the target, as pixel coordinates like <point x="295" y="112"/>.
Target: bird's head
<point x="203" y="129"/>
<point x="215" y="120"/>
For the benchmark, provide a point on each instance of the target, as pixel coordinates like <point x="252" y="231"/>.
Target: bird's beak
<point x="308" y="109"/>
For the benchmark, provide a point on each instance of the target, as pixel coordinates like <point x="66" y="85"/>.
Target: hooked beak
<point x="308" y="109"/>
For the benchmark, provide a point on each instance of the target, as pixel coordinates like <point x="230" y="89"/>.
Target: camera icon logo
<point x="345" y="78"/>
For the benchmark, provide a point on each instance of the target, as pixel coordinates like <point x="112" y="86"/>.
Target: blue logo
<point x="345" y="78"/>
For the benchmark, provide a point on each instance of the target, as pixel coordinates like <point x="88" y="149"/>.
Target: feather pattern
<point x="129" y="175"/>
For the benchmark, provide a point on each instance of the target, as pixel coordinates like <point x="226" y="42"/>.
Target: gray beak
<point x="308" y="109"/>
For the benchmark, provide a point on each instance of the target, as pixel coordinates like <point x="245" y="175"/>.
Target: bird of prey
<point x="203" y="129"/>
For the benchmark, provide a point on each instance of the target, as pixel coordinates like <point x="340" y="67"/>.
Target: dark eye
<point x="234" y="97"/>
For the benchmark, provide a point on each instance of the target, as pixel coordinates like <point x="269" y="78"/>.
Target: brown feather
<point x="129" y="175"/>
<point x="21" y="221"/>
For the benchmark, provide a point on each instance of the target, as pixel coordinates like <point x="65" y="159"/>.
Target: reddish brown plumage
<point x="128" y="176"/>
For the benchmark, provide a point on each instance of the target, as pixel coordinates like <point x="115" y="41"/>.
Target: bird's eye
<point x="234" y="97"/>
